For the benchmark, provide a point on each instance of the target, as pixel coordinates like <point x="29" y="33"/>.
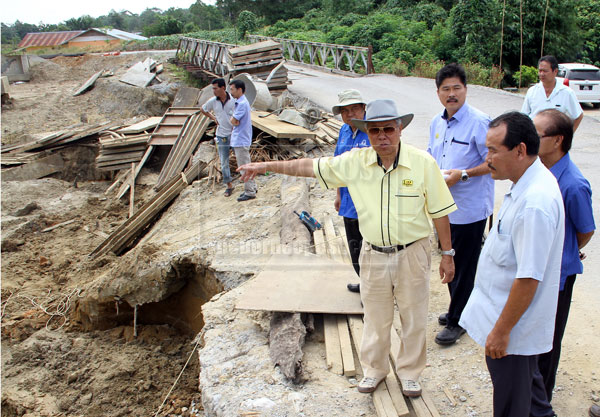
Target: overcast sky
<point x="47" y="11"/>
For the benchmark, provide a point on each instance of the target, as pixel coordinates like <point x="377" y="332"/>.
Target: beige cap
<point x="346" y="98"/>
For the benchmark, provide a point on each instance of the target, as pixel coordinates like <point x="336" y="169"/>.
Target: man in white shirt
<point x="549" y="94"/>
<point x="220" y="108"/>
<point x="518" y="274"/>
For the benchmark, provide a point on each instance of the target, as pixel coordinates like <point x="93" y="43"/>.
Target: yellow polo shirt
<point x="393" y="207"/>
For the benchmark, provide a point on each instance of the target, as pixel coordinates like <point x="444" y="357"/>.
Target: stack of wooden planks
<point x="181" y="152"/>
<point x="260" y="59"/>
<point x="119" y="148"/>
<point x="118" y="151"/>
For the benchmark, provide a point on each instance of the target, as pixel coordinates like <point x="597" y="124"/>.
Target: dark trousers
<point x="548" y="362"/>
<point x="466" y="241"/>
<point x="518" y="387"/>
<point x="354" y="241"/>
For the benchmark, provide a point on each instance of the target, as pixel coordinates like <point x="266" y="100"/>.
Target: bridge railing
<point x="208" y="55"/>
<point x="354" y="59"/>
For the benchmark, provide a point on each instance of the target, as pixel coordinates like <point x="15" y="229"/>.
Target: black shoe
<point x="449" y="335"/>
<point x="245" y="197"/>
<point x="353" y="287"/>
<point x="594" y="410"/>
<point x="443" y="319"/>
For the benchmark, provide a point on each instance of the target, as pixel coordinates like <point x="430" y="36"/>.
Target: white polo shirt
<point x="562" y="98"/>
<point x="526" y="241"/>
<point x="223" y="113"/>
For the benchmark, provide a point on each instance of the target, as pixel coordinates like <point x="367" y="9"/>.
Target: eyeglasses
<point x="388" y="130"/>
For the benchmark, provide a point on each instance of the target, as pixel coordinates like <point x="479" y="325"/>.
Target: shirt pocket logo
<point x="407" y="183"/>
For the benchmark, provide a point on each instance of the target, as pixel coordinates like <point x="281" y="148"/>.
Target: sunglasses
<point x="388" y="130"/>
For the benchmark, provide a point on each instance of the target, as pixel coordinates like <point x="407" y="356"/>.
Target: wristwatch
<point x="450" y="252"/>
<point x="464" y="176"/>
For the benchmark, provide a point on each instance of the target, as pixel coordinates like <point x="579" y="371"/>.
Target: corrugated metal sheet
<point x="124" y="35"/>
<point x="48" y="38"/>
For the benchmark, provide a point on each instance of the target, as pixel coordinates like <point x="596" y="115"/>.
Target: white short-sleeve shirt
<point x="223" y="113"/>
<point x="526" y="241"/>
<point x="562" y="98"/>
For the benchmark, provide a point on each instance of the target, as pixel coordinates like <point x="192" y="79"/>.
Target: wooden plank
<point x="167" y="141"/>
<point x="88" y="84"/>
<point x="186" y="143"/>
<point x="47" y="229"/>
<point x="277" y="128"/>
<point x="345" y="346"/>
<point x="186" y="97"/>
<point x="138" y="168"/>
<point x="125" y="233"/>
<point x="144" y="125"/>
<point x="332" y="344"/>
<point x="429" y="404"/>
<point x="132" y="193"/>
<point x="382" y="396"/>
<point x="332" y="240"/>
<point x="138" y="75"/>
<point x="303" y="288"/>
<point x="320" y="245"/>
<point x="420" y="407"/>
<point x="120" y="178"/>
<point x="254" y="48"/>
<point x="34" y="170"/>
<point x="396" y="394"/>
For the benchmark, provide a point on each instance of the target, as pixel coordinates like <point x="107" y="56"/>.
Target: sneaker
<point x="245" y="197"/>
<point x="449" y="335"/>
<point x="410" y="387"/>
<point x="368" y="384"/>
<point x="443" y="319"/>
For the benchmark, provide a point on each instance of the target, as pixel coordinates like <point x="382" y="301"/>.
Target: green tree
<point x="80" y="23"/>
<point x="166" y="25"/>
<point x="588" y="20"/>
<point x="475" y="24"/>
<point x="206" y="17"/>
<point x="246" y="22"/>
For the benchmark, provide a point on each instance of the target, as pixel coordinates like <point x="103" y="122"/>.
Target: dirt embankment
<point x="51" y="363"/>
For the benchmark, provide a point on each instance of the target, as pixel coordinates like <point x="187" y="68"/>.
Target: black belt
<point x="390" y="249"/>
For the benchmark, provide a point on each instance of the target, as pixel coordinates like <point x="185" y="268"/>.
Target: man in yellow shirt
<point x="396" y="189"/>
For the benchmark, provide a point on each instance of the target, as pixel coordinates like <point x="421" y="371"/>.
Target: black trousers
<point x="354" y="241"/>
<point x="466" y="241"/>
<point x="548" y="362"/>
<point x="518" y="387"/>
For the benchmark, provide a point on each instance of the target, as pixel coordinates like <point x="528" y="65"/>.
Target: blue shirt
<point x="579" y="217"/>
<point x="348" y="140"/>
<point x="242" y="133"/>
<point x="459" y="143"/>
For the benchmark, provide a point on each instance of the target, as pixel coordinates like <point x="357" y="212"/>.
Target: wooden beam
<point x="332" y="344"/>
<point x="132" y="194"/>
<point x="346" y="346"/>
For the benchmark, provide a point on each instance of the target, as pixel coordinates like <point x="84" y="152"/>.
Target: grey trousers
<point x="242" y="156"/>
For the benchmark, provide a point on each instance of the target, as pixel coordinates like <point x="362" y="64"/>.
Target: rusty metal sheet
<point x="48" y="38"/>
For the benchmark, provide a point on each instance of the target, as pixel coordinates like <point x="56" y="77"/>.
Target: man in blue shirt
<point x="457" y="142"/>
<point x="241" y="136"/>
<point x="556" y="135"/>
<point x="350" y="106"/>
